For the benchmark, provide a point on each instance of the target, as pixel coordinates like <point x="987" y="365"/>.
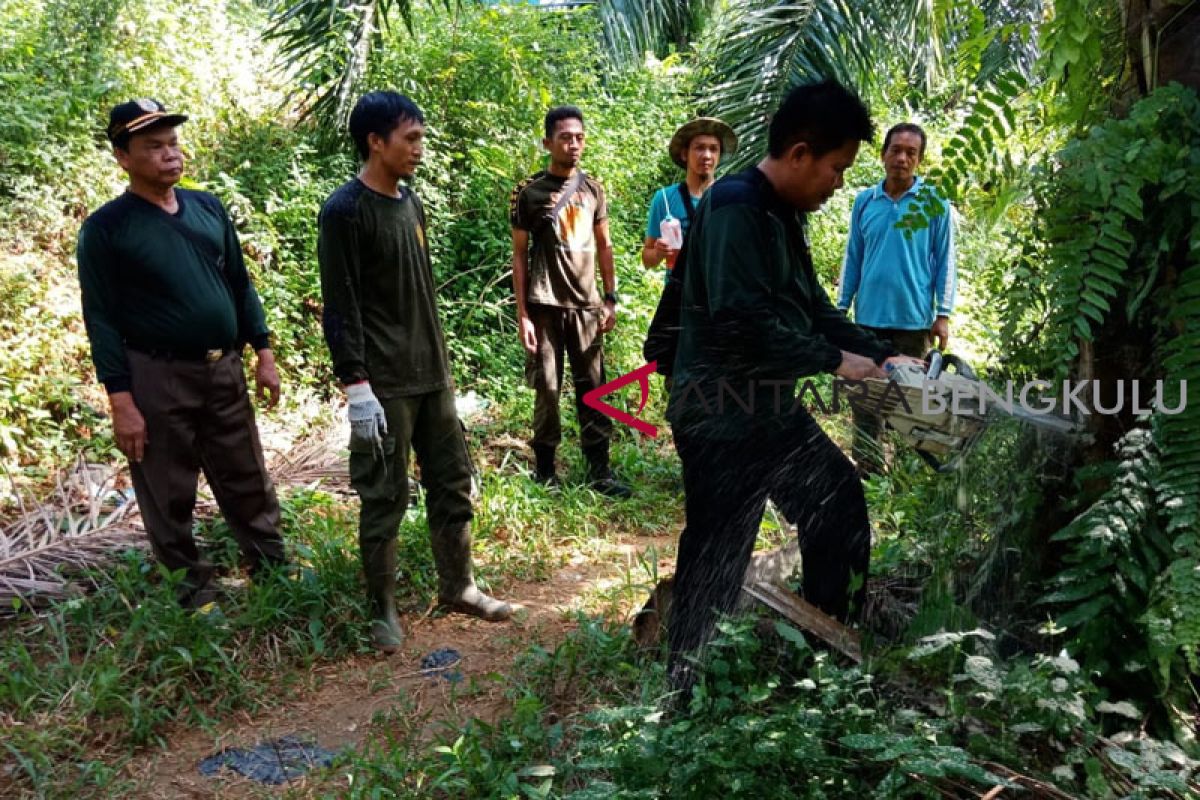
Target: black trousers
<point x="428" y="424"/>
<point x="727" y="483"/>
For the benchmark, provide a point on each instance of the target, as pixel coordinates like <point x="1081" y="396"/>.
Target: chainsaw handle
<point x="960" y="367"/>
<point x="938" y="361"/>
<point x="934" y="359"/>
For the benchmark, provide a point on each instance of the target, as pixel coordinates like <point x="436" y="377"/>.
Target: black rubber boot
<point x="544" y="465"/>
<point x="600" y="477"/>
<point x="379" y="567"/>
<point x="456" y="582"/>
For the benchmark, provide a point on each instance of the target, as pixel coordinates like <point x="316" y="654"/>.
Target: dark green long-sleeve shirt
<point x="147" y="286"/>
<point x="380" y="317"/>
<point x="754" y="315"/>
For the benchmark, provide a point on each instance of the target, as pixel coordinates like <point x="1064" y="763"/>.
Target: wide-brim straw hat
<point x="710" y="126"/>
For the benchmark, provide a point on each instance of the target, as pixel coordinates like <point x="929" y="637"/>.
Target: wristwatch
<point x="611" y="297"/>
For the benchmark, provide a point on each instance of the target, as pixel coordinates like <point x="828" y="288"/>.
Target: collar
<point x="770" y="199"/>
<point x="878" y="192"/>
<point x="773" y="204"/>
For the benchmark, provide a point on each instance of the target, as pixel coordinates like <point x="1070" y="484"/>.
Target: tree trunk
<point x="1161" y="39"/>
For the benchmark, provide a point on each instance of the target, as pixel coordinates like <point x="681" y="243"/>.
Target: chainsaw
<point x="942" y="409"/>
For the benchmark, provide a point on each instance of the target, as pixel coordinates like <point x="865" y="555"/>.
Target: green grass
<point x="95" y="677"/>
<point x="773" y="717"/>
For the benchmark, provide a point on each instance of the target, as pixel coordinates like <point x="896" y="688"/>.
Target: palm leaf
<point x="758" y="49"/>
<point x="80" y="527"/>
<point x="86" y="523"/>
<point x="633" y="27"/>
<point x="325" y="45"/>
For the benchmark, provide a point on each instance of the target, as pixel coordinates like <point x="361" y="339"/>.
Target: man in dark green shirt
<point x="168" y="307"/>
<point x="382" y="328"/>
<point x="559" y="221"/>
<point x="754" y="320"/>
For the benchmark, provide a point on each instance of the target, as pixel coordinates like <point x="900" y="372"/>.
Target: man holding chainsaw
<point x="754" y="318"/>
<point x="902" y="283"/>
<point x="381" y="324"/>
<point x="559" y="222"/>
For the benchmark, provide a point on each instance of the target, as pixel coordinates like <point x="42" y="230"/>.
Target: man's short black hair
<point x="559" y="113"/>
<point x="380" y="113"/>
<point x="826" y="115"/>
<point x="906" y="127"/>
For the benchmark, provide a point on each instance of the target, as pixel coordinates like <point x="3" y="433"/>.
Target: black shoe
<point x="609" y="486"/>
<point x="260" y="570"/>
<point x="203" y="598"/>
<point x="550" y="481"/>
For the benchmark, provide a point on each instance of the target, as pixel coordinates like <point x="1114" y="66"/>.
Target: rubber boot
<point x="456" y="583"/>
<point x="544" y="465"/>
<point x="600" y="477"/>
<point x="379" y="567"/>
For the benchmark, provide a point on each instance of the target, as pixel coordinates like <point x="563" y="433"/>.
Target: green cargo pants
<point x="428" y="424"/>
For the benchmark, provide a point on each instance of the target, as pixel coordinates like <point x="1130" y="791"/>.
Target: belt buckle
<point x="213" y="356"/>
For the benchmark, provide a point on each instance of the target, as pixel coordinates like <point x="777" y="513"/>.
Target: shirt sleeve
<point x="337" y="256"/>
<point x="517" y="213"/>
<point x="945" y="268"/>
<point x="833" y="324"/>
<point x="601" y="205"/>
<point x="252" y="322"/>
<point x="852" y="264"/>
<point x="658" y="212"/>
<point x="101" y="307"/>
<point x="752" y="338"/>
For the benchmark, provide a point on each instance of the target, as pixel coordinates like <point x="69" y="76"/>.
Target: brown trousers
<point x="866" y="449"/>
<point x="577" y="332"/>
<point x="198" y="416"/>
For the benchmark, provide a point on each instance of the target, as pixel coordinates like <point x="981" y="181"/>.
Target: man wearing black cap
<point x="168" y="307"/>
<point x="697" y="147"/>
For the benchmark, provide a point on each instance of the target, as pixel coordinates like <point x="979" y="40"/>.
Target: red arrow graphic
<point x="642" y="376"/>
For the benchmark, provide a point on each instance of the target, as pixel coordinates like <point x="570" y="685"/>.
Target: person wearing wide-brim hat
<point x="697" y="146"/>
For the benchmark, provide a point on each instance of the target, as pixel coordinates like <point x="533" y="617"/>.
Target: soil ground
<point x="353" y="702"/>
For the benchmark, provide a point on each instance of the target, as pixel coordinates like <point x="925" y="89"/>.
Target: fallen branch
<point x="808" y="618"/>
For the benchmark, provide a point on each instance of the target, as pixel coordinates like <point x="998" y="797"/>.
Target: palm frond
<point x="81" y="526"/>
<point x="88" y="521"/>
<point x="634" y="27"/>
<point x="757" y="48"/>
<point x="326" y="45"/>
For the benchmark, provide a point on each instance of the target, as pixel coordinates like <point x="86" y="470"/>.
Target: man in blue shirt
<point x="902" y="284"/>
<point x="696" y="147"/>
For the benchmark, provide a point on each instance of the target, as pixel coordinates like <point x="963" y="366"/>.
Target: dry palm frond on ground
<point x="315" y="460"/>
<point x="81" y="525"/>
<point x="91" y="517"/>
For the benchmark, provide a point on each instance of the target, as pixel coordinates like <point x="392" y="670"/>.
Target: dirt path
<point x="365" y="697"/>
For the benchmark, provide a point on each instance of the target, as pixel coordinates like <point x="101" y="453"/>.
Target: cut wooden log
<point x="765" y="582"/>
<point x="808" y="618"/>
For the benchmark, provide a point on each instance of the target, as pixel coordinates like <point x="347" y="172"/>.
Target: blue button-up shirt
<point x="897" y="280"/>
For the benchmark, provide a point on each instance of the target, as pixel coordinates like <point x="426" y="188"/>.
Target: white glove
<point x="367" y="420"/>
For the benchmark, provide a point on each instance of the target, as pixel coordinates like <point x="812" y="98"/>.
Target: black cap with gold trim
<point x="138" y="115"/>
